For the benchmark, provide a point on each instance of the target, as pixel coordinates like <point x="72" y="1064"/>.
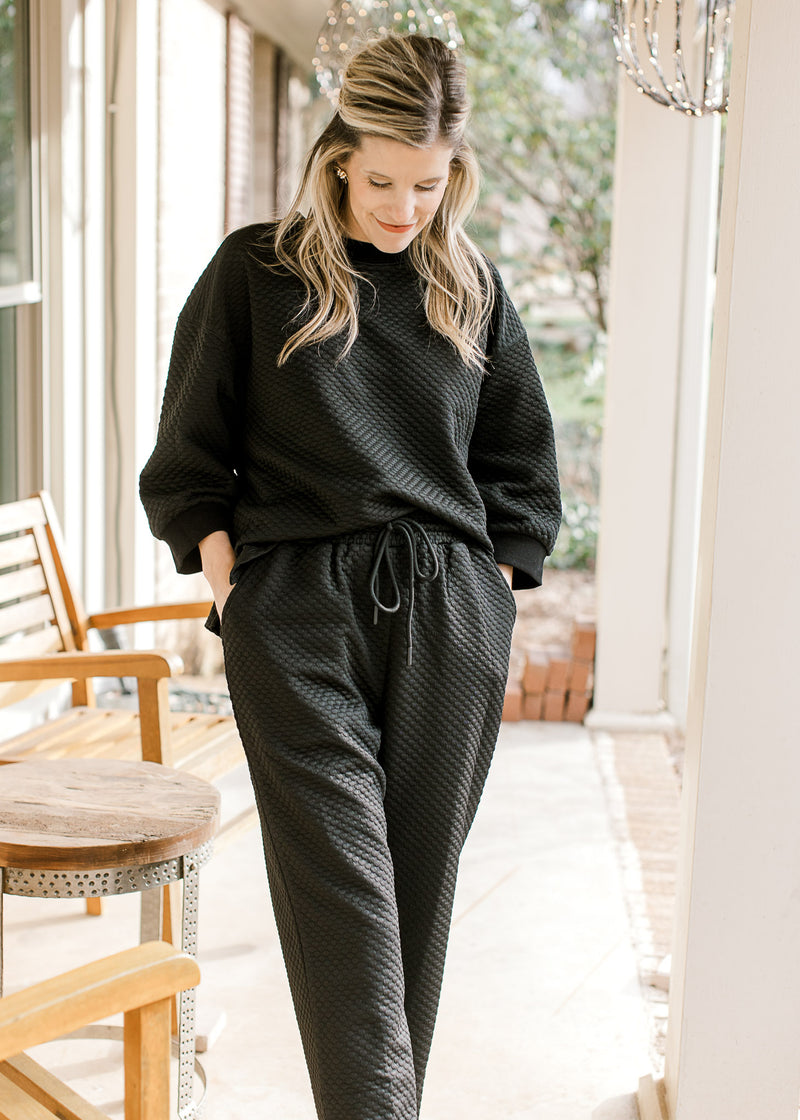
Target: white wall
<point x="191" y="200"/>
<point x="72" y="64"/>
<point x="733" y="1041"/>
<point x="665" y="181"/>
<point x="692" y="392"/>
<point x="131" y="293"/>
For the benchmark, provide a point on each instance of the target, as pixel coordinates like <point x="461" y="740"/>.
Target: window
<point x="8" y="404"/>
<point x="18" y="280"/>
<point x="16" y="248"/>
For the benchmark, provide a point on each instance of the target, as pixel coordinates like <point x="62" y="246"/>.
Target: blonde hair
<point x="411" y="89"/>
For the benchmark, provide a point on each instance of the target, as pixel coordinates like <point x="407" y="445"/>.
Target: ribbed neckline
<point x="364" y="252"/>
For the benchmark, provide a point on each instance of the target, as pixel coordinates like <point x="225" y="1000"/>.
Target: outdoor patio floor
<point x="542" y="1014"/>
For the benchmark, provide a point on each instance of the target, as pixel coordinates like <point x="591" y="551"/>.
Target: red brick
<point x="577" y="706"/>
<point x="558" y="675"/>
<point x="553" y="705"/>
<point x="534" y="674"/>
<point x="512" y="704"/>
<point x="582" y="678"/>
<point x="584" y="638"/>
<point x="532" y="705"/>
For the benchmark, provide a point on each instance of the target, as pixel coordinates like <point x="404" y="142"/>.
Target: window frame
<point x="26" y="296"/>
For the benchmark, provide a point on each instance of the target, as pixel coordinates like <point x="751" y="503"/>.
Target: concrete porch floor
<point x="542" y="1014"/>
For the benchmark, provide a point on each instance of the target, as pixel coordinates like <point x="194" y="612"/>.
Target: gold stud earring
<point x="342" y="174"/>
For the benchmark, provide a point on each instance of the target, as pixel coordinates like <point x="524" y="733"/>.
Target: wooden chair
<point x="44" y="639"/>
<point x="140" y="982"/>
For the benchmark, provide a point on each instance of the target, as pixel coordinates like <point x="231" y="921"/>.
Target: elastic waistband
<point x="435" y="529"/>
<point x="414" y="535"/>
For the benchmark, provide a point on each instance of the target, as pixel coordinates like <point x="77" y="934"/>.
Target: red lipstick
<point x="394" y="229"/>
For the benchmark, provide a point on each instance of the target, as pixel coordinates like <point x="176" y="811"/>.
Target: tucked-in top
<point x="324" y="444"/>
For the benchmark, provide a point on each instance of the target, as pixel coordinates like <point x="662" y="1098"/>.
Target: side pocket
<point x="506" y="588"/>
<point x="243" y="563"/>
<point x="212" y="623"/>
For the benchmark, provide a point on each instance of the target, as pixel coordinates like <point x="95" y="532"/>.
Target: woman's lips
<point x="394" y="229"/>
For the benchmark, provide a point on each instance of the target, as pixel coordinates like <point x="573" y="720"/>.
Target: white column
<point x="63" y="268"/>
<point x="191" y="202"/>
<point x="95" y="112"/>
<point x="734" y="1034"/>
<point x="663" y="173"/>
<point x="690" y="425"/>
<point x="72" y="58"/>
<point x="131" y="335"/>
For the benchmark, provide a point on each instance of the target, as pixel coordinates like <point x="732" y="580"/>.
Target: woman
<point x="354" y="442"/>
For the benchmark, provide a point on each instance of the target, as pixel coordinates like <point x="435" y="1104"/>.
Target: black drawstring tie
<point x="408" y="528"/>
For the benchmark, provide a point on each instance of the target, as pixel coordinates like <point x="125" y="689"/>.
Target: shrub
<point x="576" y="546"/>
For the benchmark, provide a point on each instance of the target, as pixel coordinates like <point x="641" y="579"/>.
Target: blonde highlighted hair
<point x="411" y="89"/>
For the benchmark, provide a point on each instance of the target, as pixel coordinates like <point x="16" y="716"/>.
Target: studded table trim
<point x="127" y="880"/>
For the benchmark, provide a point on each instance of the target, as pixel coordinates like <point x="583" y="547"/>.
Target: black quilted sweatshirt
<point x="322" y="445"/>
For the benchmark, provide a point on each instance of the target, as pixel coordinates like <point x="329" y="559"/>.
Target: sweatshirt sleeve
<point x="189" y="485"/>
<point x="512" y="454"/>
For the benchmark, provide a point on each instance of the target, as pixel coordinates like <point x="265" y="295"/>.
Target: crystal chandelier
<point x="351" y="22"/>
<point x="676" y="52"/>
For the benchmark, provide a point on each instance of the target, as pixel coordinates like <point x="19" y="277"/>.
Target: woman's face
<point x="393" y="190"/>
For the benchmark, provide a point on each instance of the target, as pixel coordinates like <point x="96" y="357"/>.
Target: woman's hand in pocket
<point x="508" y="572"/>
<point x="217" y="555"/>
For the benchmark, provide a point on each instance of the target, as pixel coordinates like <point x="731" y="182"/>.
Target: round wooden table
<point x="86" y="828"/>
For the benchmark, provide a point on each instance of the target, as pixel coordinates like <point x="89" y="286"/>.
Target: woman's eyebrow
<point x="383" y="175"/>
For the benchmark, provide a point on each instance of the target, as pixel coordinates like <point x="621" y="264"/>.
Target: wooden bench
<point x="44" y="639"/>
<point x="140" y="982"/>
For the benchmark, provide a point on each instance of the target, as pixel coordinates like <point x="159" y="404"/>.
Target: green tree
<point x="543" y="81"/>
<point x="14" y="153"/>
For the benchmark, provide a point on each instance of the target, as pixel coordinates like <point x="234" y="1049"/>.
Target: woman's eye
<point x="380" y="186"/>
<point x="433" y="188"/>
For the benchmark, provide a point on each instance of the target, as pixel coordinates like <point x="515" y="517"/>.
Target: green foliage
<point x="8" y="108"/>
<point x="574" y="383"/>
<point x="543" y="83"/>
<point x="576" y="546"/>
<point x="14" y="169"/>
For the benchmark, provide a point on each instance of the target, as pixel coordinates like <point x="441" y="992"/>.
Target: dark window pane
<point x="15" y="154"/>
<point x="8" y="404"/>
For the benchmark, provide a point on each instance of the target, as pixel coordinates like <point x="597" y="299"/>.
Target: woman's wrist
<point x="508" y="572"/>
<point x="217" y="556"/>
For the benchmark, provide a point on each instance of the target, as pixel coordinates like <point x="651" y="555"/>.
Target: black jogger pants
<point x="367" y="772"/>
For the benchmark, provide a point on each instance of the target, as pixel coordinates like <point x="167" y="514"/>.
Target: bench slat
<point x="12" y="692"/>
<point x="51" y="1095"/>
<point x="25" y="581"/>
<point x="50" y="731"/>
<point x="25" y="616"/>
<point x="17" y="516"/>
<point x="15" y="1104"/>
<point x="18" y="550"/>
<point x="35" y="644"/>
<point x="213" y="748"/>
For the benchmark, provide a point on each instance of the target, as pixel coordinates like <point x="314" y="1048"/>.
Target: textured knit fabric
<point x="322" y="446"/>
<point x="367" y="634"/>
<point x="367" y="773"/>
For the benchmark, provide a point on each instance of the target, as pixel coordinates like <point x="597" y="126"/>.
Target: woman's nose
<point x="401" y="210"/>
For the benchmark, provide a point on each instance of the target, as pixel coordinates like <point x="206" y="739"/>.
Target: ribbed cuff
<point x="526" y="556"/>
<point x="185" y="531"/>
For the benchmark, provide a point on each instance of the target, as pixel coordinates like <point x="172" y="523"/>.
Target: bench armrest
<point x="82" y="664"/>
<point x="157" y="612"/>
<point x="133" y="978"/>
